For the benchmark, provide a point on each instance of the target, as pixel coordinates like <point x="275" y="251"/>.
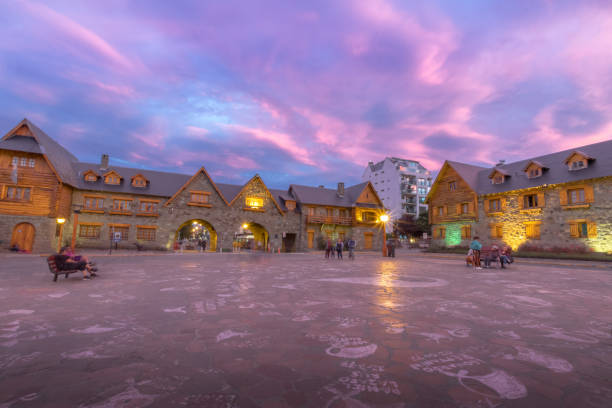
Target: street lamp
<point x="384" y="218"/>
<point x="245" y="226"/>
<point x="76" y="209"/>
<point x="60" y="225"/>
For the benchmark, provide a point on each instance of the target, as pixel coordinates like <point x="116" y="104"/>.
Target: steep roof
<point x="468" y="172"/>
<point x="21" y="144"/>
<point x="557" y="171"/>
<point x="60" y="159"/>
<point x="327" y="196"/>
<point x="161" y="184"/>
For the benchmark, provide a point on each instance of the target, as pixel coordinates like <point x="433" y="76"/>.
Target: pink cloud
<point x="196" y="132"/>
<point x="240" y="162"/>
<point x="35" y="93"/>
<point x="281" y="140"/>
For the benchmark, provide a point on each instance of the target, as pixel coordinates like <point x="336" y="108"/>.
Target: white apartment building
<point x="401" y="184"/>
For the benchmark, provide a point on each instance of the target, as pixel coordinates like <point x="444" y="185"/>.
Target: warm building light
<point x="384" y="218"/>
<point x="254" y="202"/>
<point x="61" y="220"/>
<point x="245" y="226"/>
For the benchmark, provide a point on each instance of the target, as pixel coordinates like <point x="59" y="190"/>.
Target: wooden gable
<point x="578" y="160"/>
<point x="533" y="169"/>
<point x="139" y="181"/>
<point x="112" y="177"/>
<point x="255" y="196"/>
<point x="199" y="190"/>
<point x="23" y="130"/>
<point x="90" y="176"/>
<point x="368" y="196"/>
<point x="498" y="176"/>
<point x="443" y="202"/>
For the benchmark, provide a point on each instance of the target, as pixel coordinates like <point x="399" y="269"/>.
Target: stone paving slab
<point x="296" y="330"/>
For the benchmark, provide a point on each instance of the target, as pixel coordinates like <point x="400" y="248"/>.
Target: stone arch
<point x="194" y="225"/>
<point x="252" y="235"/>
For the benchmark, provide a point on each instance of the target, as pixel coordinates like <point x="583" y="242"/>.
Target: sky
<point x="307" y="92"/>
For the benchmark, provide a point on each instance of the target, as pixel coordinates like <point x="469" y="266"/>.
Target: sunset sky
<point x="307" y="92"/>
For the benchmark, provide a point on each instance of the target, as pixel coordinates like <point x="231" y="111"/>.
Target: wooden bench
<point x="53" y="269"/>
<point x="484" y="253"/>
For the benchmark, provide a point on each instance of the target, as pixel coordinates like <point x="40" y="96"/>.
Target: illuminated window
<point x="149" y="207"/>
<point x="254" y="202"/>
<point x="495" y="205"/>
<point x="93" y="203"/>
<point x="200" y="197"/>
<point x="14" y="193"/>
<point x="466" y="232"/>
<point x="120" y="205"/>
<point x="530" y="201"/>
<point x="532" y="230"/>
<point x="452" y="186"/>
<point x="368" y="216"/>
<point x="496" y="230"/>
<point x="145" y="233"/>
<point x="91" y="177"/>
<point x="122" y="230"/>
<point x="89" y="231"/>
<point x="576" y="196"/>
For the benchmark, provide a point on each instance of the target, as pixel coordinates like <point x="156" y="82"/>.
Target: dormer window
<point x="498" y="176"/>
<point x="536" y="172"/>
<point x="578" y="160"/>
<point x="139" y="181"/>
<point x="90" y="176"/>
<point x="112" y="177"/>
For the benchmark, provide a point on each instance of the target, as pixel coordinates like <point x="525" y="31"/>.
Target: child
<point x="469" y="260"/>
<point x="476" y="246"/>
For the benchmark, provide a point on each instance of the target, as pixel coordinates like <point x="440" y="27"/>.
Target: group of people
<point x="495" y="254"/>
<point x="332" y="249"/>
<point x="67" y="260"/>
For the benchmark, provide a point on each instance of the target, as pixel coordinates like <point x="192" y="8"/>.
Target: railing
<point x="324" y="219"/>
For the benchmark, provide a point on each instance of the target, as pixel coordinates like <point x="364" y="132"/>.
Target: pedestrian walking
<point x="351" y="248"/>
<point x="476" y="247"/>
<point x="339" y="246"/>
<point x="328" y="246"/>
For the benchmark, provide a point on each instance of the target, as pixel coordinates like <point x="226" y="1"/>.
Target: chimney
<point x="104" y="162"/>
<point x="500" y="163"/>
<point x="321" y="186"/>
<point x="340" y="190"/>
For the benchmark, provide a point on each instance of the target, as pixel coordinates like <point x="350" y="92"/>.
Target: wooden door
<point x="310" y="239"/>
<point x="367" y="240"/>
<point x="23" y="236"/>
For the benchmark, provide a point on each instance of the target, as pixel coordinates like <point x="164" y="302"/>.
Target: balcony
<point x="324" y="219"/>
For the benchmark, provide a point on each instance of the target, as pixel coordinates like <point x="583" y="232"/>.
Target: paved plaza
<point x="295" y="330"/>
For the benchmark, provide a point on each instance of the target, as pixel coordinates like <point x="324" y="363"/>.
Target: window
<point x="14" y="193"/>
<point x="368" y="216"/>
<point x="254" y="202"/>
<point x="498" y="179"/>
<point x="93" y="203"/>
<point x="576" y="196"/>
<point x="120" y="205"/>
<point x="31" y="163"/>
<point x="535" y="172"/>
<point x="440" y="233"/>
<point x="145" y="233"/>
<point x="91" y="177"/>
<point x="15" y="161"/>
<point x="583" y="229"/>
<point x="496" y="230"/>
<point x="495" y="205"/>
<point x="465" y="208"/>
<point x="577" y="165"/>
<point x="89" y="231"/>
<point x="138" y="182"/>
<point x="23" y="162"/>
<point x="466" y="232"/>
<point x="532" y="230"/>
<point x="452" y="186"/>
<point x="422" y="191"/>
<point x="149" y="207"/>
<point x="422" y="200"/>
<point x="122" y="230"/>
<point x="440" y="211"/>
<point x="311" y="211"/>
<point x="112" y="178"/>
<point x="530" y="201"/>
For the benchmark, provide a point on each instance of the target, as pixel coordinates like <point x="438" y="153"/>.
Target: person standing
<point x="351" y="248"/>
<point x="328" y="247"/>
<point x="339" y="246"/>
<point x="476" y="247"/>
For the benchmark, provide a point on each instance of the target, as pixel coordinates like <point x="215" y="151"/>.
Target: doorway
<point x="196" y="234"/>
<point x="23" y="236"/>
<point x="289" y="243"/>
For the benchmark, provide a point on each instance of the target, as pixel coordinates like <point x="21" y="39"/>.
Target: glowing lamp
<point x="60" y="220"/>
<point x="245" y="226"/>
<point x="384" y="218"/>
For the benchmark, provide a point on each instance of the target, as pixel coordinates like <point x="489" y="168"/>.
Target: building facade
<point x="401" y="184"/>
<point x="558" y="201"/>
<point x="49" y="199"/>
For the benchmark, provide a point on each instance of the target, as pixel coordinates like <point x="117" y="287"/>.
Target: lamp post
<point x="60" y="224"/>
<point x="77" y="210"/>
<point x="384" y="218"/>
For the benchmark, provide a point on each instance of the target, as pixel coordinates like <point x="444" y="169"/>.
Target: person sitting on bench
<point x="68" y="251"/>
<point x="493" y="256"/>
<point x="64" y="263"/>
<point x="506" y="256"/>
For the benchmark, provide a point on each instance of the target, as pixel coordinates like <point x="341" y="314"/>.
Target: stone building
<point x="561" y="200"/>
<point x="49" y="199"/>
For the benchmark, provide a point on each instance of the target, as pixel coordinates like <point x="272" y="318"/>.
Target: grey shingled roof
<point x="161" y="184"/>
<point x="326" y="196"/>
<point x="469" y="173"/>
<point x="229" y="191"/>
<point x="557" y="172"/>
<point x="60" y="158"/>
<point x="21" y="144"/>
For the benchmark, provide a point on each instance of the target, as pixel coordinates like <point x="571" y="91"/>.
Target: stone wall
<point x="44" y="237"/>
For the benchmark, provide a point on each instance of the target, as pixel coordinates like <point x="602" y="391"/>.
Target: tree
<point x="409" y="226"/>
<point x="423" y="223"/>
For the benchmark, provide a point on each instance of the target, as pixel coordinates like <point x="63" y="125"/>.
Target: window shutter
<point x="536" y="231"/>
<point x="493" y="230"/>
<point x="563" y="197"/>
<point x="486" y="206"/>
<point x="592" y="230"/>
<point x="574" y="230"/>
<point x="503" y="203"/>
<point x="521" y="202"/>
<point x="458" y="209"/>
<point x="446" y="210"/>
<point x="588" y="194"/>
<point x="541" y="200"/>
<point x="471" y="207"/>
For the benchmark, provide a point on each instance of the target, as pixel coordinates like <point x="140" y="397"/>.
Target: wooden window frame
<point x="5" y="190"/>
<point x="250" y="200"/>
<point x="112" y="229"/>
<point x="576" y="229"/>
<point x="142" y="228"/>
<point x="536" y="225"/>
<point x="113" y="174"/>
<point x="139" y="210"/>
<point x="452" y="186"/>
<point x="99" y="210"/>
<point x="205" y="194"/>
<point x="96" y="226"/>
<point x="115" y="211"/>
<point x="138" y="178"/>
<point x="465" y="235"/>
<point x="578" y="190"/>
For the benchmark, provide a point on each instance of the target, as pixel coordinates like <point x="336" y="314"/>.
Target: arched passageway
<point x="196" y="234"/>
<point x="252" y="235"/>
